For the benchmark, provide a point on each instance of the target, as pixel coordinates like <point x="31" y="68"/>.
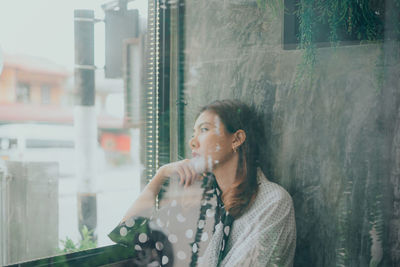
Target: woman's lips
<point x="194" y="154"/>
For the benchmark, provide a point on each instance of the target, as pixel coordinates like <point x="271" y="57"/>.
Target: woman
<point x="255" y="223"/>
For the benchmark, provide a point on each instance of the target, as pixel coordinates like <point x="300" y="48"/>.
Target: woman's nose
<point x="193" y="142"/>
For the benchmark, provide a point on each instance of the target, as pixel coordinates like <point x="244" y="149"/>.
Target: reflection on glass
<point x="221" y="210"/>
<point x="41" y="143"/>
<point x="320" y="80"/>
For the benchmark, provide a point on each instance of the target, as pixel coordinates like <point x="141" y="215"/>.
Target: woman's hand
<point x="184" y="170"/>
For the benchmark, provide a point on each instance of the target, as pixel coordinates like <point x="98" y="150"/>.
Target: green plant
<point x="275" y="5"/>
<point x="87" y="242"/>
<point x="355" y="20"/>
<point x="306" y="14"/>
<point x="342" y="251"/>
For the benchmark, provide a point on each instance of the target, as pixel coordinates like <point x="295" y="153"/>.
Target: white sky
<point x="45" y="28"/>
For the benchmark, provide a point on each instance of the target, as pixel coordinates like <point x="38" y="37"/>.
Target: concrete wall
<point x="333" y="145"/>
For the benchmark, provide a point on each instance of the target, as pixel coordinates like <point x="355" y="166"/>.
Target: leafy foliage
<point x="342" y="251"/>
<point x="87" y="242"/>
<point x="275" y="5"/>
<point x="306" y="14"/>
<point x="355" y="20"/>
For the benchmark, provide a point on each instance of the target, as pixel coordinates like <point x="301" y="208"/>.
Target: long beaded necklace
<point x="211" y="189"/>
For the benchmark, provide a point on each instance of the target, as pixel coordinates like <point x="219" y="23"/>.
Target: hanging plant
<point x="306" y="14"/>
<point x="275" y="5"/>
<point x="333" y="22"/>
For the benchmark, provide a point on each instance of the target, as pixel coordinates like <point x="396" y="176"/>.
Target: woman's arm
<point x="145" y="202"/>
<point x="184" y="170"/>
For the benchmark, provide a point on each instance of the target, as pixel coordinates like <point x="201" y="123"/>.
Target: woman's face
<point x="211" y="141"/>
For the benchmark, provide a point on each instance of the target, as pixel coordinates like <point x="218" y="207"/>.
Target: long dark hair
<point x="236" y="115"/>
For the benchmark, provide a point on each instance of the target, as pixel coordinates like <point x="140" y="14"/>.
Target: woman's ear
<point x="239" y="138"/>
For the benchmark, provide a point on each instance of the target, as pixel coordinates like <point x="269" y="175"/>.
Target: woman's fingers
<point x="188" y="175"/>
<point x="181" y="174"/>
<point x="194" y="175"/>
<point x="183" y="169"/>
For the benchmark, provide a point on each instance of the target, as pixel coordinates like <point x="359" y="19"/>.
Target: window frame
<point x="113" y="254"/>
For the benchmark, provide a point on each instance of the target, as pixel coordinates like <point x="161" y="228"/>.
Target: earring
<point x="234" y="149"/>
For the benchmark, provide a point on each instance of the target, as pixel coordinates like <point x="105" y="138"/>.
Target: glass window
<point x="202" y="133"/>
<point x="23" y="93"/>
<point x="76" y="165"/>
<point x="45" y="94"/>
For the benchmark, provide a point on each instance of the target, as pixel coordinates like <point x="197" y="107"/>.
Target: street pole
<point x="85" y="120"/>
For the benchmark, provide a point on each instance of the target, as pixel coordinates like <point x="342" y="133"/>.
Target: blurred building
<point x="30" y="80"/>
<point x="37" y="90"/>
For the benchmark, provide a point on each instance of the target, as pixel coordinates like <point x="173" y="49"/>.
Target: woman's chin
<point x="198" y="163"/>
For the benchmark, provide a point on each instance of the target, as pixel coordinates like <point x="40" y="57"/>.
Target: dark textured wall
<point x="334" y="145"/>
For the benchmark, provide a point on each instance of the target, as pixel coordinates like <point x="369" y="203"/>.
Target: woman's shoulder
<point x="270" y="192"/>
<point x="271" y="199"/>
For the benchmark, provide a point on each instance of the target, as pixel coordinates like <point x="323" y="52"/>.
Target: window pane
<point x="266" y="132"/>
<point x="46" y="94"/>
<point x="23" y="93"/>
<point x="71" y="155"/>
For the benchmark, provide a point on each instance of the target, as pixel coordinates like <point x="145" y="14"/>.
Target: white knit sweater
<point x="265" y="235"/>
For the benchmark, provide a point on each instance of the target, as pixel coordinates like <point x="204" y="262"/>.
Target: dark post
<point x="85" y="119"/>
<point x="84" y="57"/>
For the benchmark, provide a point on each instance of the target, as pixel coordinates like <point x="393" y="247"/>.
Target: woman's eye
<point x="203" y="129"/>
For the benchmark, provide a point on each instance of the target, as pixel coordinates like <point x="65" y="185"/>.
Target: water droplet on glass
<point x="217" y="148"/>
<point x="189" y="233"/>
<point x="226" y="230"/>
<point x="164" y="260"/>
<point x="201" y="224"/>
<point x="181" y="255"/>
<point x="130" y="222"/>
<point x="123" y="231"/>
<point x="172" y="238"/>
<point x="204" y="236"/>
<point x="209" y="163"/>
<point x="159" y="245"/>
<point x="142" y="237"/>
<point x="160" y="223"/>
<point x="180" y="218"/>
<point x="210" y="213"/>
<point x="173" y="203"/>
